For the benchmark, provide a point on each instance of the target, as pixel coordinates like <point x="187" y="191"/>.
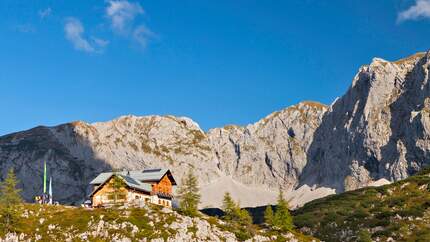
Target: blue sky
<point x="218" y="62"/>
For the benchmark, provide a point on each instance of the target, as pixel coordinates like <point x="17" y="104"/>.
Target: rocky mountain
<point x="76" y="152"/>
<point x="378" y="130"/>
<point x="268" y="153"/>
<point x="272" y="151"/>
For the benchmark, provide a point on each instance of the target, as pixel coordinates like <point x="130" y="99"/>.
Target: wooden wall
<point x="103" y="196"/>
<point x="164" y="186"/>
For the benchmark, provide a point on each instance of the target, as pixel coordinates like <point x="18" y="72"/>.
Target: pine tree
<point x="245" y="218"/>
<point x="239" y="219"/>
<point x="233" y="212"/>
<point x="10" y="198"/>
<point x="189" y="195"/>
<point x="268" y="215"/>
<point x="283" y="219"/>
<point x="229" y="207"/>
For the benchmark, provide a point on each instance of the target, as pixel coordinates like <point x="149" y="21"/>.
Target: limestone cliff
<point x="378" y="130"/>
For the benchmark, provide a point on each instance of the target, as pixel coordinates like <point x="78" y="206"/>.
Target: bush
<point x="364" y="236"/>
<point x="306" y="220"/>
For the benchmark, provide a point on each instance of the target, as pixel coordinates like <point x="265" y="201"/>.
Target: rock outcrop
<point x="272" y="151"/>
<point x="146" y="224"/>
<point x="378" y="130"/>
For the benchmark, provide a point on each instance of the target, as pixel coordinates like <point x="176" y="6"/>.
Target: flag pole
<point x="50" y="190"/>
<point x="44" y="179"/>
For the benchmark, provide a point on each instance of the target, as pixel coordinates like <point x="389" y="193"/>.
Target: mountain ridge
<point x="352" y="143"/>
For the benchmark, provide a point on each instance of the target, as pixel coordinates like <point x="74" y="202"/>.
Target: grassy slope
<point x="400" y="210"/>
<point x="37" y="219"/>
<point x="57" y="223"/>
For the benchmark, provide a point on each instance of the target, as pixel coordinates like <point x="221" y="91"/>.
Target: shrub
<point x="364" y="236"/>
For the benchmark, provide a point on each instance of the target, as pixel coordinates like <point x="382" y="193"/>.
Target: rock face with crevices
<point x="272" y="151"/>
<point x="269" y="153"/>
<point x="378" y="130"/>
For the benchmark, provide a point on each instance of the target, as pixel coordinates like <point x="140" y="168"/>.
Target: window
<point x="116" y="196"/>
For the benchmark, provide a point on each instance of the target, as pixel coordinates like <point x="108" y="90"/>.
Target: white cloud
<point x="142" y="34"/>
<point x="421" y="9"/>
<point x="122" y="13"/>
<point x="43" y="13"/>
<point x="74" y="31"/>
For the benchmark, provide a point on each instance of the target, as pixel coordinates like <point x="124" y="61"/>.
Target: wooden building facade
<point x="153" y="186"/>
